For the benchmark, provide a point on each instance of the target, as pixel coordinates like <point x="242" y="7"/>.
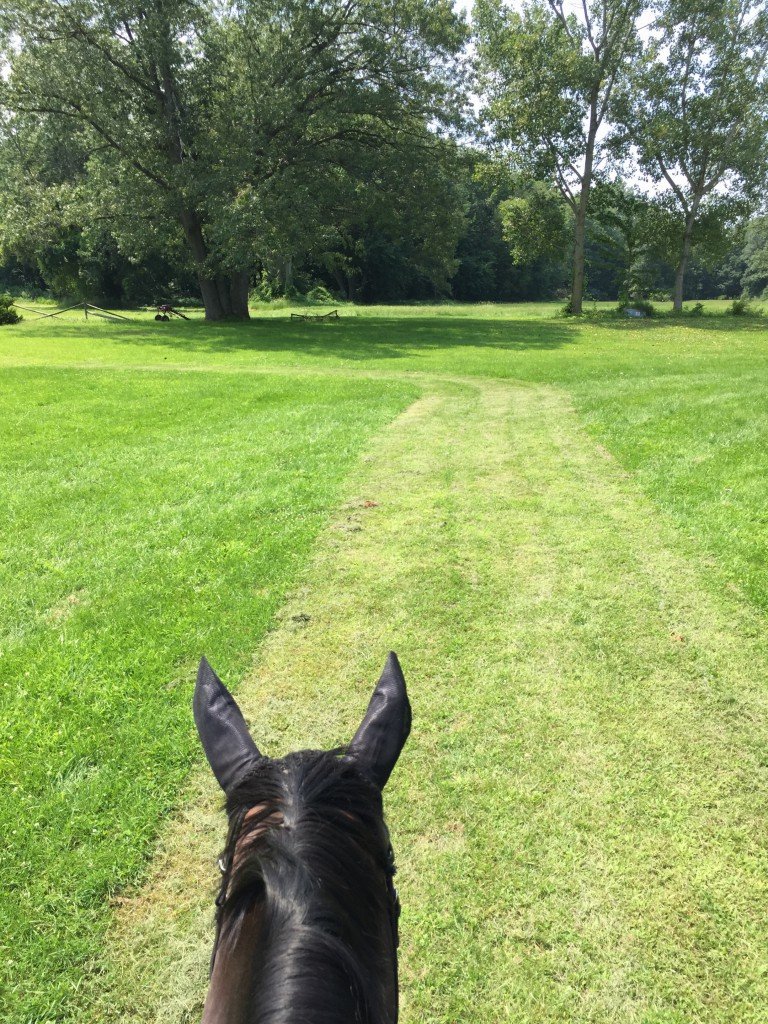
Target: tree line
<point x="384" y="152"/>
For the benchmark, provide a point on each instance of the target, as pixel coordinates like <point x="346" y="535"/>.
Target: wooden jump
<point x="333" y="315"/>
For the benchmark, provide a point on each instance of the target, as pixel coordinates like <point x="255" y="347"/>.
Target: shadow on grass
<point x="719" y="322"/>
<point x="362" y="338"/>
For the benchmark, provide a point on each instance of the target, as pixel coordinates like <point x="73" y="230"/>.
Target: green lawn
<point x="147" y="518"/>
<point x="568" y="547"/>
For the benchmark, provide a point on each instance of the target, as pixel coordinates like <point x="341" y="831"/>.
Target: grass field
<point x="561" y="527"/>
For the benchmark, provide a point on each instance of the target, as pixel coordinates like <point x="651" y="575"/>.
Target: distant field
<point x="165" y="483"/>
<point x="682" y="401"/>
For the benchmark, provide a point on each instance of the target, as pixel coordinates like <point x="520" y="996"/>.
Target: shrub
<point x="696" y="310"/>
<point x="740" y="307"/>
<point x="263" y="292"/>
<point x="640" y="305"/>
<point x="567" y="309"/>
<point x="8" y="314"/>
<point x="319" y="294"/>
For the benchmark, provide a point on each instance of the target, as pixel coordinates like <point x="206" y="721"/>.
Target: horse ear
<point x="222" y="729"/>
<point x="382" y="734"/>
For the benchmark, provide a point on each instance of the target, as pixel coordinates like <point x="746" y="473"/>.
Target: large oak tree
<point x="233" y="121"/>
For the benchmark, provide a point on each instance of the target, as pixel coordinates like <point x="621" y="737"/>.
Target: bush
<point x="32" y="294"/>
<point x="740" y="307"/>
<point x="263" y="292"/>
<point x="697" y="310"/>
<point x="319" y="294"/>
<point x="8" y="314"/>
<point x="640" y="305"/>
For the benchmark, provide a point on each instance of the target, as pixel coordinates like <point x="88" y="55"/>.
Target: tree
<point x="508" y="248"/>
<point x="485" y="270"/>
<point x="633" y="240"/>
<point x="549" y="79"/>
<point x="394" y="235"/>
<point x="697" y="112"/>
<point x="217" y="119"/>
<point x="621" y="220"/>
<point x="534" y="224"/>
<point x="755" y="255"/>
<point x="45" y="227"/>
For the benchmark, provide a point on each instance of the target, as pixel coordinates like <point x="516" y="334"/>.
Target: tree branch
<point x="673" y="184"/>
<point x="76" y="110"/>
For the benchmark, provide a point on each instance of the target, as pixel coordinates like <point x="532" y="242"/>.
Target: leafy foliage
<point x="696" y="110"/>
<point x="548" y="78"/>
<point x="147" y="154"/>
<point x="756" y="256"/>
<point x="8" y="314"/>
<point x="534" y="225"/>
<point x="238" y="128"/>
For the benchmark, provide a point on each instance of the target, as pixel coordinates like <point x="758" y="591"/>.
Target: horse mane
<point x="311" y="860"/>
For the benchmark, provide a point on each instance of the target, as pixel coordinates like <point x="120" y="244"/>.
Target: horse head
<point x="306" y="920"/>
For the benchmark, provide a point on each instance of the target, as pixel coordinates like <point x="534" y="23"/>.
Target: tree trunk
<point x="579" y="238"/>
<point x="209" y="290"/>
<point x="223" y="296"/>
<point x="685" y="252"/>
<point x="287" y="274"/>
<point x="580" y="227"/>
<point x="341" y="283"/>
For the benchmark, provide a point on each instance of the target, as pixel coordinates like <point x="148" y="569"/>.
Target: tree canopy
<point x="235" y="124"/>
<point x="695" y="110"/>
<point x="549" y="77"/>
<point x="147" y="152"/>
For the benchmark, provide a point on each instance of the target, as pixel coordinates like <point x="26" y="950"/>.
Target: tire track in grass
<point x="579" y="814"/>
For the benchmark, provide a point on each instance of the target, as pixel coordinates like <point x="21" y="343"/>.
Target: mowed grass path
<point x="580" y="814"/>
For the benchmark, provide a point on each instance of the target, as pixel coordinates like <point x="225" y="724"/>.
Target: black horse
<point x="306" y="924"/>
